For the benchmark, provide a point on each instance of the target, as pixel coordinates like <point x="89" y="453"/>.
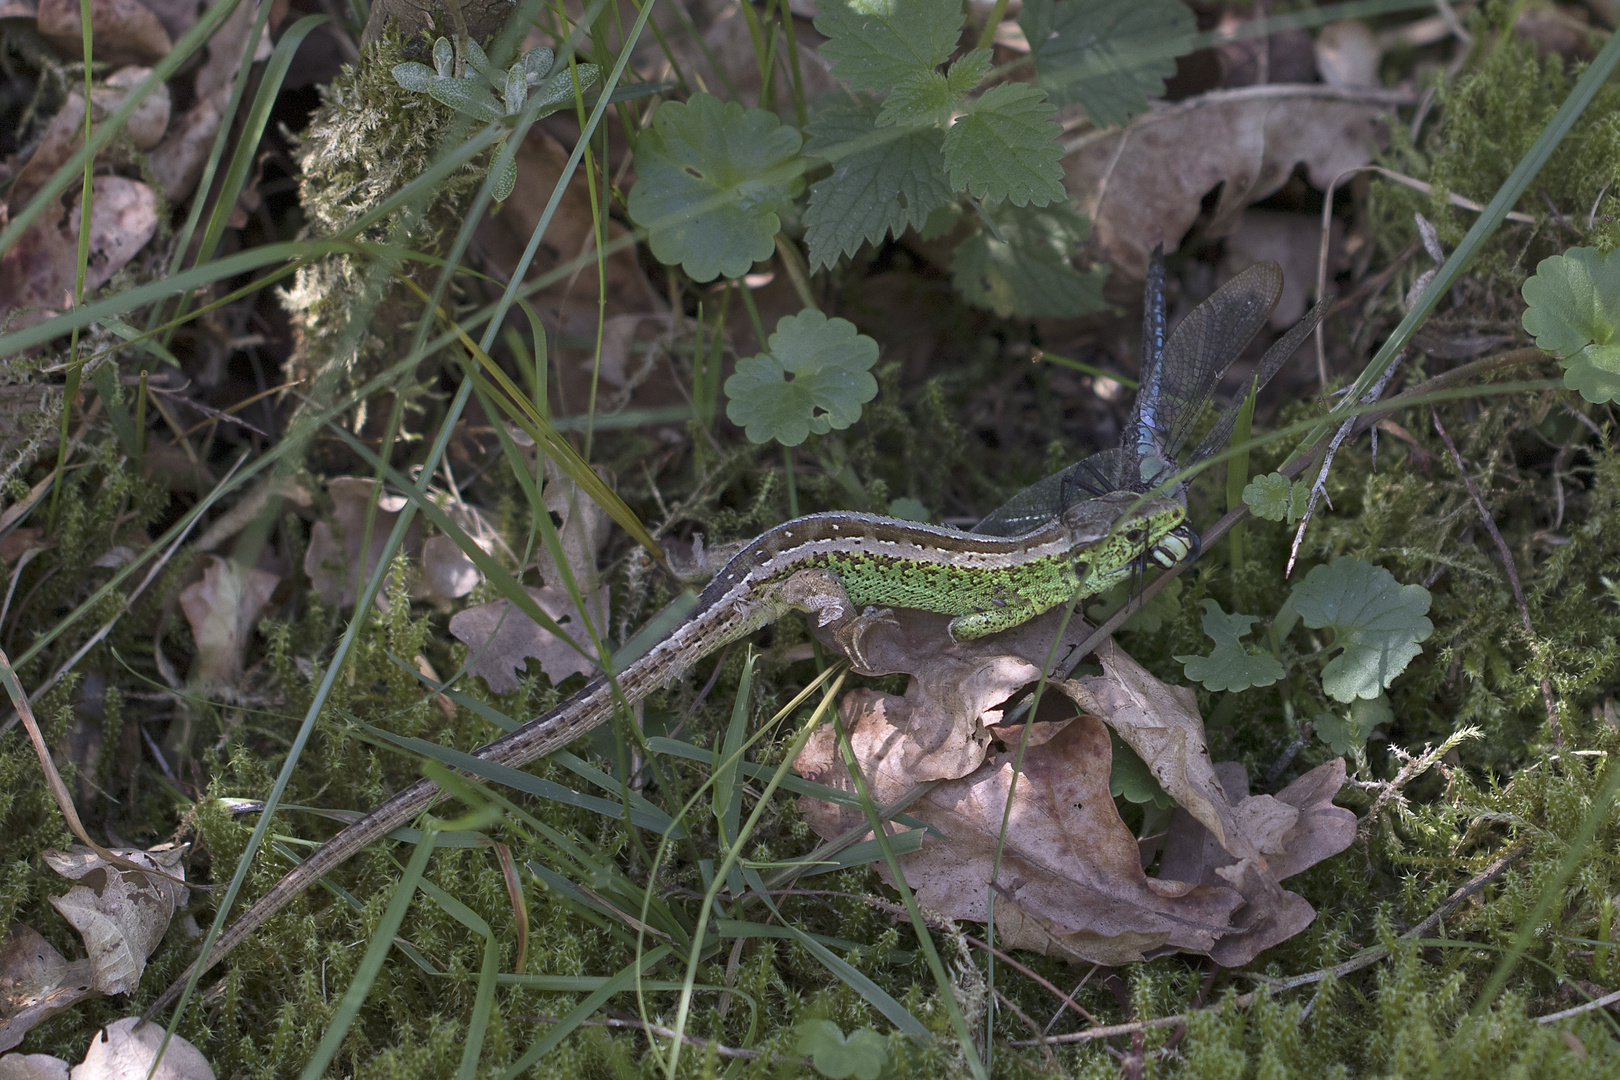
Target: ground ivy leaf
<point x="1347" y="735"/>
<point x="1029" y="272"/>
<point x="1574" y="310"/>
<point x="1276" y="498"/>
<point x="1103" y="54"/>
<point x="968" y="70"/>
<point x="711" y="177"/>
<point x="1006" y="148"/>
<point x="861" y="1056"/>
<point x="1130" y="778"/>
<point x="1230" y="666"/>
<point x="876" y="190"/>
<point x="1374" y="618"/>
<point x="877" y="43"/>
<point x="815" y="377"/>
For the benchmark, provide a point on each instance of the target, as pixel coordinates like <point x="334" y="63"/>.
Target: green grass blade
<point x="371" y="964"/>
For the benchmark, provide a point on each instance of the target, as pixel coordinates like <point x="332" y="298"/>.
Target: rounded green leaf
<point x="1374" y="618"/>
<point x="815" y="377"/>
<point x="861" y="1056"/>
<point x="1347" y="735"/>
<point x="1573" y="312"/>
<point x="1269" y="496"/>
<point x="711" y="178"/>
<point x="1230" y="666"/>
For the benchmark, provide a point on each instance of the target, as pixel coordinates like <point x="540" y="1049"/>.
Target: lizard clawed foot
<point x="850" y="635"/>
<point x="818" y="591"/>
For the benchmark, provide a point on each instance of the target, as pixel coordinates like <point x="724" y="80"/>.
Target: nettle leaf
<point x="875" y="44"/>
<point x="861" y="1056"/>
<point x="969" y="70"/>
<point x="877" y="190"/>
<point x="1029" y="272"/>
<point x="1276" y="498"/>
<point x="816" y="377"/>
<point x="1347" y="735"/>
<point x="923" y="97"/>
<point x="1104" y="54"/>
<point x="712" y="177"/>
<point x="1129" y="777"/>
<point x="1006" y="148"/>
<point x="1374" y="618"/>
<point x="1230" y="666"/>
<point x="1574" y="310"/>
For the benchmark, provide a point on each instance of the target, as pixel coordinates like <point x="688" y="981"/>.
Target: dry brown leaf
<point x="38" y="271"/>
<point x="1348" y="54"/>
<point x="122" y="914"/>
<point x="32" y="1067"/>
<point x="1270" y="914"/>
<point x="222" y="609"/>
<point x="583" y="530"/>
<point x="177" y="162"/>
<point x="61" y="138"/>
<point x="500" y="638"/>
<point x="121" y="31"/>
<point x="333" y="560"/>
<point x="448" y="570"/>
<point x="1143" y="184"/>
<point x="150" y="119"/>
<point x="1072" y="880"/>
<point x="36" y="982"/>
<point x="126" y="1049"/>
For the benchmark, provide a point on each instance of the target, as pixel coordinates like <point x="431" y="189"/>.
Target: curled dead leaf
<point x="121" y="31"/>
<point x="222" y="609"/>
<point x="151" y="117"/>
<point x="1072" y="881"/>
<point x="122" y="914"/>
<point x="333" y="560"/>
<point x="36" y="982"/>
<point x="127" y="1050"/>
<point x="38" y="271"/>
<point x="1144" y="184"/>
<point x="500" y="638"/>
<point x="32" y="1067"/>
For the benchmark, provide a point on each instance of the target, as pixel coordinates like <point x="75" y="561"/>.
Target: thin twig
<point x="1506" y="556"/>
<point x="1319" y="485"/>
<point x="1595" y="1003"/>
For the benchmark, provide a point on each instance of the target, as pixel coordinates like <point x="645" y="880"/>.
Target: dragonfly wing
<point x="1196" y="355"/>
<point x="1045" y="499"/>
<point x="1269" y="365"/>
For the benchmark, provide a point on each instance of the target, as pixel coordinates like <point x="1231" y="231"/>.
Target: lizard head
<point x="1111" y="533"/>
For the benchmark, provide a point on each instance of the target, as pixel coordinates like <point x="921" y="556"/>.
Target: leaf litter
<point x="1072" y="879"/>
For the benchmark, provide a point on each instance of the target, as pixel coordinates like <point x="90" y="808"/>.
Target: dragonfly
<point x="1179" y="377"/>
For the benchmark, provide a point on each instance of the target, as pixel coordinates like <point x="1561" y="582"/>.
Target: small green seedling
<point x="478" y="91"/>
<point x="861" y="1056"/>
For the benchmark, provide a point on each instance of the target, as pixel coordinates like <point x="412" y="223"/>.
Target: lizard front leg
<point x="819" y="592"/>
